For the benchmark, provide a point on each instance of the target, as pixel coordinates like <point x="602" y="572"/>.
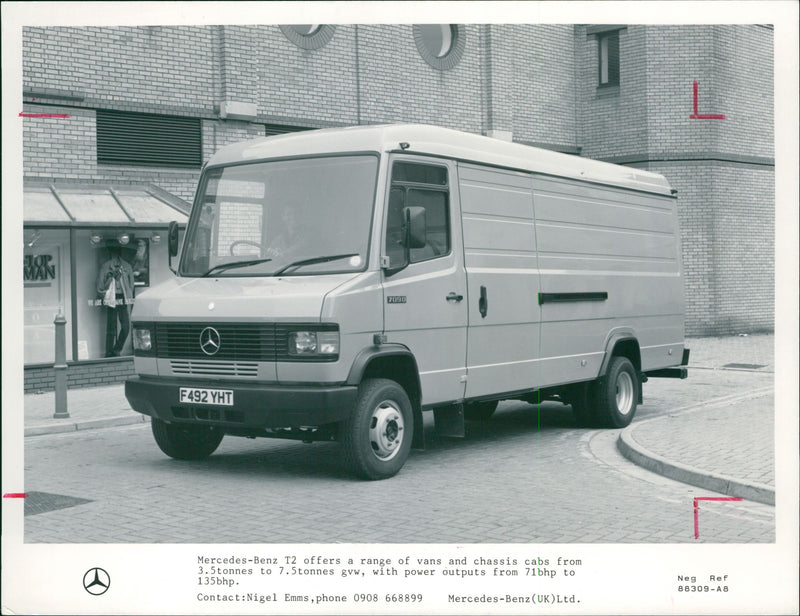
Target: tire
<point x="617" y="394"/>
<point x="184" y="441"/>
<point x="376" y="438"/>
<point x="581" y="398"/>
<point x="480" y="411"/>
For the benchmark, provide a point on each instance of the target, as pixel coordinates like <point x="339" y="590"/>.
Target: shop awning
<point x="68" y="204"/>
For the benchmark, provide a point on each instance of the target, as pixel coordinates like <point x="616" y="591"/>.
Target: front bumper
<point x="256" y="406"/>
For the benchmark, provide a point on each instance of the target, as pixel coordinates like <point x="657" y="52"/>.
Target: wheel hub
<point x="386" y="430"/>
<point x="625" y="393"/>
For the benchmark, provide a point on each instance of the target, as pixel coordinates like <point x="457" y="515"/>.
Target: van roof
<point x="437" y="141"/>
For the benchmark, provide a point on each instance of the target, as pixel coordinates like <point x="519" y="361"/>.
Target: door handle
<point x="483" y="303"/>
<point x="454" y="297"/>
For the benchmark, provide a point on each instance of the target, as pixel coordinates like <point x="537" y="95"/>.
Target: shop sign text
<point x="38" y="267"/>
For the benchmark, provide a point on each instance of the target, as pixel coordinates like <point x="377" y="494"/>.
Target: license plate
<point x="216" y="397"/>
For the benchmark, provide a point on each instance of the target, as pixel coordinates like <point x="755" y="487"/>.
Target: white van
<point x="334" y="284"/>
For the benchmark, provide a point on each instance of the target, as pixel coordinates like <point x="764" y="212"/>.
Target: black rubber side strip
<point x="550" y="298"/>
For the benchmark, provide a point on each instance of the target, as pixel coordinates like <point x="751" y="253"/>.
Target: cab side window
<point x="425" y="186"/>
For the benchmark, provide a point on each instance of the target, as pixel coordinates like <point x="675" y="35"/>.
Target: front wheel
<point x="184" y="441"/>
<point x="617" y="394"/>
<point x="376" y="438"/>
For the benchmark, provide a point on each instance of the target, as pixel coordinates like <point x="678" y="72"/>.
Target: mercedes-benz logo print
<point x="96" y="581"/>
<point x="210" y="341"/>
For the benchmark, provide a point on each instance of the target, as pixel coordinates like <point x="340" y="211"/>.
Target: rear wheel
<point x="184" y="441"/>
<point x="617" y="394"/>
<point x="376" y="438"/>
<point x="480" y="411"/>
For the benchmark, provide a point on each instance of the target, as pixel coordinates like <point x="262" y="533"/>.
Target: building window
<point x="135" y="258"/>
<point x="46" y="275"/>
<point x="306" y="29"/>
<point x="309" y="36"/>
<point x="125" y="138"/>
<point x="440" y="45"/>
<point x="71" y="231"/>
<point x="608" y="58"/>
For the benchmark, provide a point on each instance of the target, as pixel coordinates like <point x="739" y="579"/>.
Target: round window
<point x="306" y="29"/>
<point x="308" y="36"/>
<point x="440" y="45"/>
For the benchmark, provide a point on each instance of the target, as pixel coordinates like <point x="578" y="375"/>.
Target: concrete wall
<point x="166" y="68"/>
<point x="84" y="374"/>
<point x="733" y="68"/>
<point x="727" y="215"/>
<point x="532" y="86"/>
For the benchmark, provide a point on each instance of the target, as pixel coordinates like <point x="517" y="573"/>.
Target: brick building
<point x="136" y="110"/>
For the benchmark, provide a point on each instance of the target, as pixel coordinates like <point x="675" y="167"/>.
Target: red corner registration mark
<point x="218" y="397"/>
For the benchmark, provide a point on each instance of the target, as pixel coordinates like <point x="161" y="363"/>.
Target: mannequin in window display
<point x="141" y="264"/>
<point x="118" y="271"/>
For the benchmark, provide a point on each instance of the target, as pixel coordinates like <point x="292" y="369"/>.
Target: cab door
<point x="425" y="305"/>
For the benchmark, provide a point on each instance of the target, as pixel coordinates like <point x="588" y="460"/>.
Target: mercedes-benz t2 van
<point x="335" y="284"/>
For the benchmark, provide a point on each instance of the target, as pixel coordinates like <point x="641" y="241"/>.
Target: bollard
<point x="60" y="368"/>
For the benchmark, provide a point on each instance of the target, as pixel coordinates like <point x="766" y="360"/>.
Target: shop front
<point x="89" y="250"/>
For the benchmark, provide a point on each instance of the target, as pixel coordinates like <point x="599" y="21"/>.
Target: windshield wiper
<point x="221" y="267"/>
<point x="312" y="261"/>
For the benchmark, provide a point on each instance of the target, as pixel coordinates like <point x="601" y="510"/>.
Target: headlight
<point x="314" y="343"/>
<point x="142" y="339"/>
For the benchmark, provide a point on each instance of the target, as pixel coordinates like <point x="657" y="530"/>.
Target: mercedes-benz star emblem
<point x="96" y="581"/>
<point x="210" y="341"/>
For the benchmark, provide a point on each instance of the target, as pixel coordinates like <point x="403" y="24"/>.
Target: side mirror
<point x="415" y="228"/>
<point x="172" y="243"/>
<point x="172" y="239"/>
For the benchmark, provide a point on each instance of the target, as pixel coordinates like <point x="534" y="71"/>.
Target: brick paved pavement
<point x="528" y="476"/>
<point x="716" y="352"/>
<point x="88" y="408"/>
<point x="727" y="446"/>
<point x="743" y="431"/>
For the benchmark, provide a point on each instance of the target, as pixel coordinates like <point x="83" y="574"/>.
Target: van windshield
<point x="290" y="217"/>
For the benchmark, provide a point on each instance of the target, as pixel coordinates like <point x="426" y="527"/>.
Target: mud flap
<point x="449" y="421"/>
<point x="418" y="442"/>
<point x="642" y="381"/>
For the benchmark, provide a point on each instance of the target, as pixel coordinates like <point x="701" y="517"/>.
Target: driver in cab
<point x="288" y="238"/>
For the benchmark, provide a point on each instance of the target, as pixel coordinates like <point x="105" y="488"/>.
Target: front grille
<point x="238" y="342"/>
<point x="241" y="346"/>
<point x="199" y="367"/>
